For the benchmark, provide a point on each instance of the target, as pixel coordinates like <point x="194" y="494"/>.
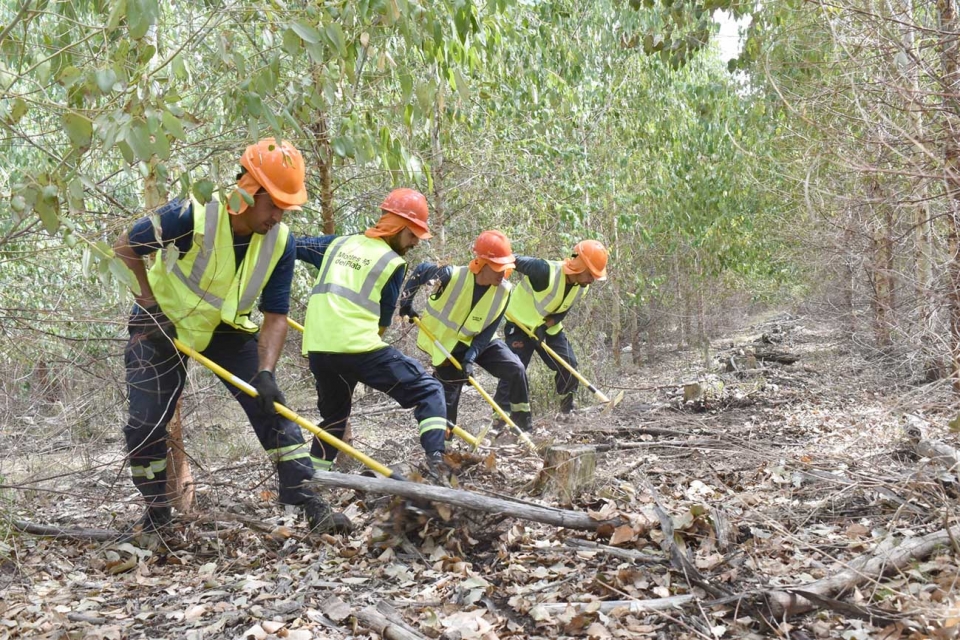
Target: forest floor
<point x="774" y="478"/>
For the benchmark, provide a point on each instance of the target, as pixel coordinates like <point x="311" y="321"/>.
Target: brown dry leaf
<point x="857" y="531"/>
<point x="597" y="630"/>
<point x="196" y="612"/>
<point x="443" y="510"/>
<point x="268" y="496"/>
<point x="623" y="533"/>
<point x="490" y="462"/>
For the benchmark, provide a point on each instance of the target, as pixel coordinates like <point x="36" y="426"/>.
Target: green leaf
<point x="307" y="33"/>
<point x="335" y="33"/>
<point x="48" y="208"/>
<point x="203" y="191"/>
<point x="291" y="42"/>
<point x="18" y="111"/>
<point x="117" y="13"/>
<point x="106" y="78"/>
<point x="173" y="126"/>
<point x="141" y="15"/>
<point x="138" y="137"/>
<point x="79" y="129"/>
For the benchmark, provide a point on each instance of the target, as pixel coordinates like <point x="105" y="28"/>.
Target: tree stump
<point x="567" y="470"/>
<point x="180" y="487"/>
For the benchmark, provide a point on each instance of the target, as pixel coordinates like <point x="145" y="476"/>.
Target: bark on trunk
<point x="951" y="155"/>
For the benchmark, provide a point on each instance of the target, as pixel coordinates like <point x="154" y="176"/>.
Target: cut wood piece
<point x="784" y="603"/>
<point x="776" y="355"/>
<point x="180" y="485"/>
<point x="567" y="470"/>
<point x="625" y="554"/>
<point x="372" y="619"/>
<point x="467" y="500"/>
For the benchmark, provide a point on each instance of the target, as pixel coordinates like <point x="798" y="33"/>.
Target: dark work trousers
<point x="156" y="373"/>
<point x="501" y="363"/>
<point x="524" y="346"/>
<point x="387" y="370"/>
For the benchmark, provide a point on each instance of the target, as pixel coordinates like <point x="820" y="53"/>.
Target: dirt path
<point x="775" y="476"/>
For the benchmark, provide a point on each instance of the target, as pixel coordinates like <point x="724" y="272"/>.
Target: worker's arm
<point x="135" y="263"/>
<point x="273" y="333"/>
<point x="311" y="249"/>
<point x="482" y="339"/>
<point x="423" y="273"/>
<point x="175" y="220"/>
<point x="536" y="270"/>
<point x="388" y="297"/>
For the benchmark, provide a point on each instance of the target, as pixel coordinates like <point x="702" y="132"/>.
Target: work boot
<point x="438" y="468"/>
<point x="153" y="522"/>
<point x="523" y="420"/>
<point x="322" y="519"/>
<point x="498" y="427"/>
<point x="566" y="404"/>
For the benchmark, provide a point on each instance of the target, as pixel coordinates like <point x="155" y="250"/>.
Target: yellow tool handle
<point x="566" y="365"/>
<point x="524" y="438"/>
<point x="248" y="389"/>
<point x="457" y="431"/>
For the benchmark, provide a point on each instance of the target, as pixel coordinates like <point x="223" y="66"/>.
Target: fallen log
<point x="785" y="603"/>
<point x="465" y="499"/>
<point x="389" y="627"/>
<point x="616" y="552"/>
<point x="73" y="533"/>
<point x="630" y="606"/>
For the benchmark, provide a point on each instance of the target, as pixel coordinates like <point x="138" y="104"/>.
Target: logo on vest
<point x="350" y="261"/>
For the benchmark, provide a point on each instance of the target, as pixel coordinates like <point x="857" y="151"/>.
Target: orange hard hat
<point x="588" y="255"/>
<point x="410" y="205"/>
<point x="279" y="169"/>
<point x="493" y="247"/>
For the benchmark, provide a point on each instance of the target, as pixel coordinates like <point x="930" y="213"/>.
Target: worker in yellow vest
<point x="540" y="301"/>
<point x="463" y="314"/>
<point x="351" y="306"/>
<point x="228" y="255"/>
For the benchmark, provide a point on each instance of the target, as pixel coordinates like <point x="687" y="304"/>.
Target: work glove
<point x="153" y="324"/>
<point x="467" y="369"/>
<point x="410" y="314"/>
<point x="267" y="391"/>
<point x="541" y="332"/>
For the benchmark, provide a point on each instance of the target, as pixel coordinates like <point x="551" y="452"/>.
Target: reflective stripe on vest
<point x="451" y="318"/>
<point x="343" y="313"/>
<point x="531" y="307"/>
<point x="205" y="286"/>
<point x="361" y="298"/>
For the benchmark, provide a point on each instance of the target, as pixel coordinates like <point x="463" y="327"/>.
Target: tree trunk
<point x="180" y="486"/>
<point x="325" y="169"/>
<point x="439" y="194"/>
<point x="951" y="155"/>
<point x="567" y="470"/>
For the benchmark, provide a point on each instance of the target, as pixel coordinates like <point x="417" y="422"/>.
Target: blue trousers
<point x="156" y="373"/>
<point x="524" y="347"/>
<point x="400" y="377"/>
<point x="500" y="362"/>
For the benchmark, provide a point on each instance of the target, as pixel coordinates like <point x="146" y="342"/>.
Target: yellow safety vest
<point x="343" y="314"/>
<point x="205" y="287"/>
<point x="531" y="307"/>
<point x="451" y="320"/>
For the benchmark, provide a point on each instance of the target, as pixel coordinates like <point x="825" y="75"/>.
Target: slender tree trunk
<point x="325" y="168"/>
<point x="951" y="155"/>
<point x="180" y="485"/>
<point x="439" y="193"/>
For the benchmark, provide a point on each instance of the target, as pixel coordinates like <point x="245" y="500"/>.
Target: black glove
<point x="153" y="324"/>
<point x="267" y="391"/>
<point x="467" y="369"/>
<point x="541" y="332"/>
<point x="410" y="314"/>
